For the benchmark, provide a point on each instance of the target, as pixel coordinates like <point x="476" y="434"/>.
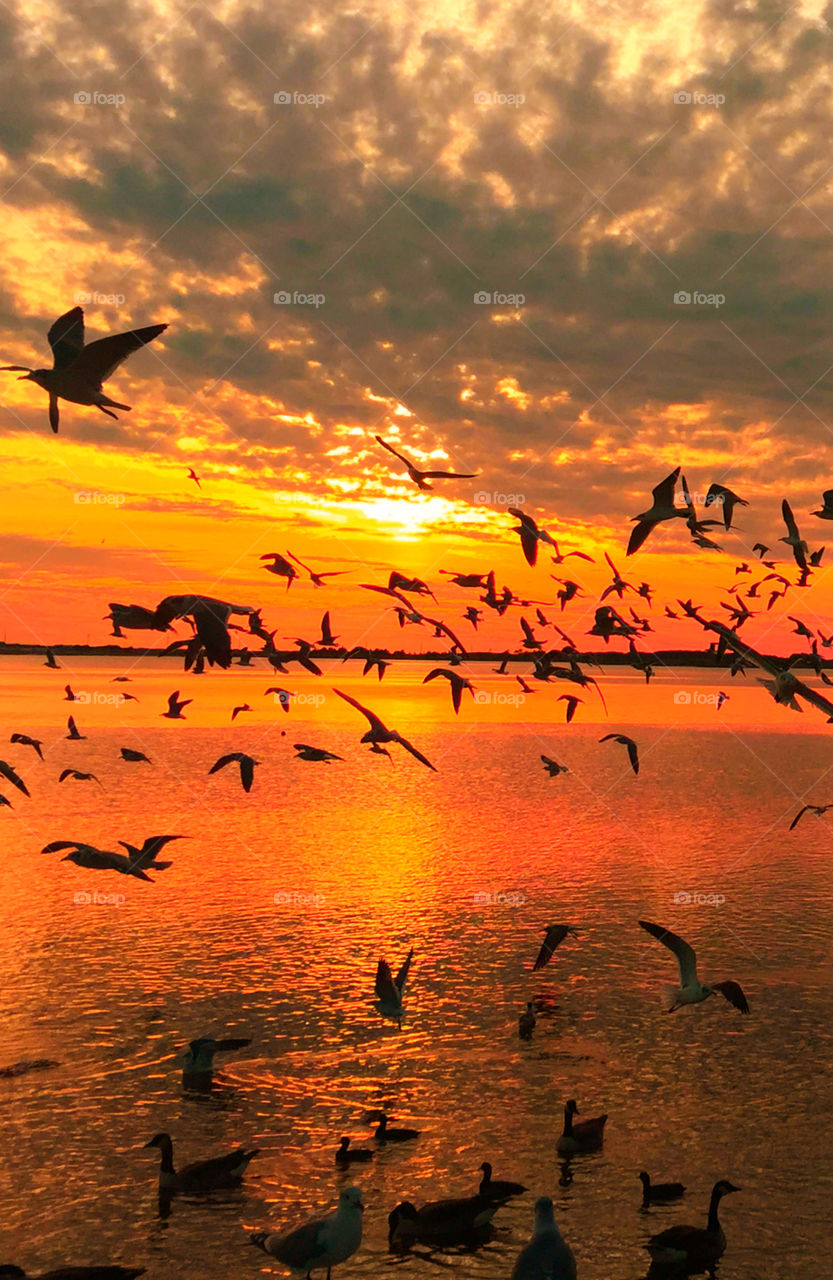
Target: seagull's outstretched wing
<point x="733" y="992"/>
<point x="402" y="975"/>
<point x="232" y="758"/>
<point x="685" y="953"/>
<point x="9" y="773"/>
<point x="555" y="934"/>
<point x="385" y="987"/>
<point x="98" y="360"/>
<point x="371" y="717"/>
<point x="391" y="449"/>
<point x="528" y="532"/>
<point x="450" y="475"/>
<point x="66" y="337"/>
<point x="403" y="742"/>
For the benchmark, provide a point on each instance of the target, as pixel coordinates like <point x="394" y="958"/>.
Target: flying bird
<point x="457" y="682"/>
<point x="244" y="706"/>
<point x="379" y="734"/>
<point x="421" y="478"/>
<point x="175" y="705"/>
<point x="317" y="579"/>
<point x="24" y="740"/>
<point x="552" y="767"/>
<point x="73" y="733"/>
<point x="530" y="535"/>
<point x="817" y="809"/>
<point x="78" y="371"/>
<point x="691" y="990"/>
<point x="793" y="538"/>
<point x="134" y="757"/>
<point x="725" y="498"/>
<point x="572" y="703"/>
<point x="390" y="991"/>
<point x="192" y="475"/>
<point x="662" y="508"/>
<point x="7" y="772"/>
<point x="554" y="935"/>
<point x="246" y="763"/>
<point x="625" y="741"/>
<point x="78" y="776"/>
<point x="825" y="512"/>
<point x="316" y="755"/>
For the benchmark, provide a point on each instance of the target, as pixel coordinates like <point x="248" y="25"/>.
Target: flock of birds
<point x="77" y="376"/>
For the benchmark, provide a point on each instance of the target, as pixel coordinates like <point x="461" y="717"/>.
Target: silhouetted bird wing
<point x="66" y="338"/>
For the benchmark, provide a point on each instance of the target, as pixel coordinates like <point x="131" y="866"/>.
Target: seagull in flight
<point x="662" y="508"/>
<point x="691" y="990"/>
<point x="817" y="809"/>
<point x="244" y="706"/>
<point x="421" y="478"/>
<point x="175" y="705"/>
<point x="458" y="684"/>
<point x="247" y="767"/>
<point x="720" y="495"/>
<point x="92" y="859"/>
<point x="379" y="733"/>
<point x="134" y="757"/>
<point x="73" y="733"/>
<point x="625" y="741"/>
<point x="78" y="776"/>
<point x="24" y="740"/>
<point x="13" y="777"/>
<point x="530" y="535"/>
<point x="78" y="371"/>
<point x="554" y="935"/>
<point x="572" y="703"/>
<point x="618" y="584"/>
<point x="552" y="767"/>
<point x="389" y="990"/>
<point x="69" y="696"/>
<point x="51" y="660"/>
<point x="825" y="512"/>
<point x="317" y="579"/>
<point x="192" y="475"/>
<point x="315" y="755"/>
<point x="793" y="538"/>
<point x="560" y="557"/>
<point x="208" y="616"/>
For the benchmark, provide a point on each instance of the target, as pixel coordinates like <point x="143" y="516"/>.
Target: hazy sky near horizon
<point x="586" y="163"/>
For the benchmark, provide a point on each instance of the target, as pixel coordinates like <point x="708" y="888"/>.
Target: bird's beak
<point x="25" y="377"/>
<point x="148" y="1144"/>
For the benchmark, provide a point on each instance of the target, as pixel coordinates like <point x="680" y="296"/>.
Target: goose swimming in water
<point x="385" y="1134"/>
<point x="691" y="990"/>
<point x="198" y="1062"/>
<point x="202" y="1175"/>
<point x="526" y="1022"/>
<point x="321" y="1242"/>
<point x="693" y="1246"/>
<point x="547" y="1256"/>
<point x="496" y="1188"/>
<point x="440" y="1221"/>
<point x="358" y="1155"/>
<point x="659" y="1191"/>
<point x="587" y="1135"/>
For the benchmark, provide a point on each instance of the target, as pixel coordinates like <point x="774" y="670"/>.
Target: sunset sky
<point x="601" y="175"/>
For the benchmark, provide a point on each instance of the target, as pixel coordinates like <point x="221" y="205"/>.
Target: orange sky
<point x="581" y="196"/>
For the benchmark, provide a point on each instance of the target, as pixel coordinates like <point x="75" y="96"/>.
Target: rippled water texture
<point x="369" y="857"/>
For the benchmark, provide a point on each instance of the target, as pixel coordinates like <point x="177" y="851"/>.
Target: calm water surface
<point x="368" y="857"/>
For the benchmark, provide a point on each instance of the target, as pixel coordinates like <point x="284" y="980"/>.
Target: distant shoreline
<point x="659" y="658"/>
